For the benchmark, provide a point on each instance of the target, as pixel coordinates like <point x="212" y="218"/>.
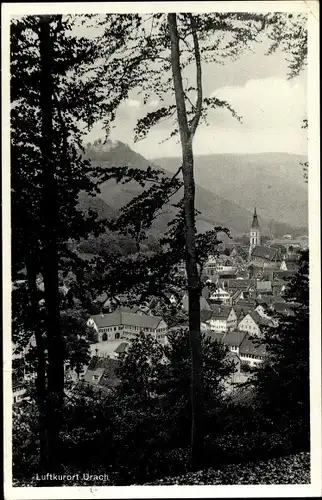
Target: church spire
<point x="255" y="224"/>
<point x="254" y="234"/>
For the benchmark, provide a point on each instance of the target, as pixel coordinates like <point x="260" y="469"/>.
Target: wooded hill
<point x="237" y="182"/>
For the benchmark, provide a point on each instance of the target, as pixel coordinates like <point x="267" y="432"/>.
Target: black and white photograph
<point x="161" y="249"/>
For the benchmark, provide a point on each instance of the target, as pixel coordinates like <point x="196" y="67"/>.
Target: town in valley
<point x="244" y="287"/>
<point x="160" y="260"/>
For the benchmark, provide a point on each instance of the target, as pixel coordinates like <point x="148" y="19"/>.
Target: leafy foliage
<point x="289" y="32"/>
<point x="139" y="367"/>
<point x="144" y="427"/>
<point x="282" y="384"/>
<point x="294" y="469"/>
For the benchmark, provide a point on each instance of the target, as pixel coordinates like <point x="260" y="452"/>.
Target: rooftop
<point x="284" y="308"/>
<point x="287" y="241"/>
<point x="93" y="376"/>
<point x="252" y="347"/>
<point x="122" y="347"/>
<point x="264" y="252"/>
<point x="205" y="315"/>
<point x="260" y="320"/>
<point x="105" y="368"/>
<point x="218" y="336"/>
<point x="247" y="303"/>
<point x="234" y="338"/>
<point x="219" y="311"/>
<point x="120" y="317"/>
<point x="239" y="284"/>
<point x="236" y="294"/>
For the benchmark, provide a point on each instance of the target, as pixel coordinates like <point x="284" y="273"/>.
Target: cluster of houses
<point x="243" y="288"/>
<point x="240" y="327"/>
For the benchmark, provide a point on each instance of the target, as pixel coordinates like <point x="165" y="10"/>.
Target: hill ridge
<point x="214" y="206"/>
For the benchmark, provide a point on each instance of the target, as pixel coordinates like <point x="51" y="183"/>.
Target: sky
<point x="256" y="86"/>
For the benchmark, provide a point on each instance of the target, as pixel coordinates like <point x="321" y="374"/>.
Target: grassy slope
<point x="293" y="469"/>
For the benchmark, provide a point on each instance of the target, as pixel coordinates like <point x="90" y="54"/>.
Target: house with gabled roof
<point x="215" y="336"/>
<point x="243" y="308"/>
<point x="239" y="252"/>
<point x="102" y="374"/>
<point x="221" y="295"/>
<point x="254" y="323"/>
<point x="264" y="288"/>
<point x="223" y="318"/>
<point x="126" y="325"/>
<point x="234" y="339"/>
<point x="285" y="308"/>
<point x="236" y="296"/>
<point x="252" y="352"/>
<point x="248" y="350"/>
<point x="246" y="286"/>
<point x="264" y="254"/>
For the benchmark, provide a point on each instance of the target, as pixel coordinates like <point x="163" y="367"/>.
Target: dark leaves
<point x="154" y="117"/>
<point x="215" y="103"/>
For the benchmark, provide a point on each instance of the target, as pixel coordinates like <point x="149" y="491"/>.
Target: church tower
<point x="255" y="234"/>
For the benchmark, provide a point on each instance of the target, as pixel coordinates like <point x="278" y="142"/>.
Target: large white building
<point x="126" y="325"/>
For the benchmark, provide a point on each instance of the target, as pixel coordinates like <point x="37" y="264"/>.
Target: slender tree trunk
<point x="41" y="362"/>
<point x="190" y="244"/>
<point x="50" y="251"/>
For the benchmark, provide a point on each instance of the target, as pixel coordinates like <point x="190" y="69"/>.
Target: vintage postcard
<point x="161" y="249"/>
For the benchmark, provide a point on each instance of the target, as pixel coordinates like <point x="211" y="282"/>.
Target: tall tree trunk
<point x="190" y="246"/>
<point x="50" y="251"/>
<point x="41" y="362"/>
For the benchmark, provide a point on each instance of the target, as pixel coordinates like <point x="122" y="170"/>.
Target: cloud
<point x="131" y="103"/>
<point x="265" y="104"/>
<point x="154" y="103"/>
<point x="215" y="139"/>
<point x="272" y="111"/>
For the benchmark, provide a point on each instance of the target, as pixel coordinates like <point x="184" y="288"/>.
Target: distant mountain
<point x="215" y="208"/>
<point x="273" y="182"/>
